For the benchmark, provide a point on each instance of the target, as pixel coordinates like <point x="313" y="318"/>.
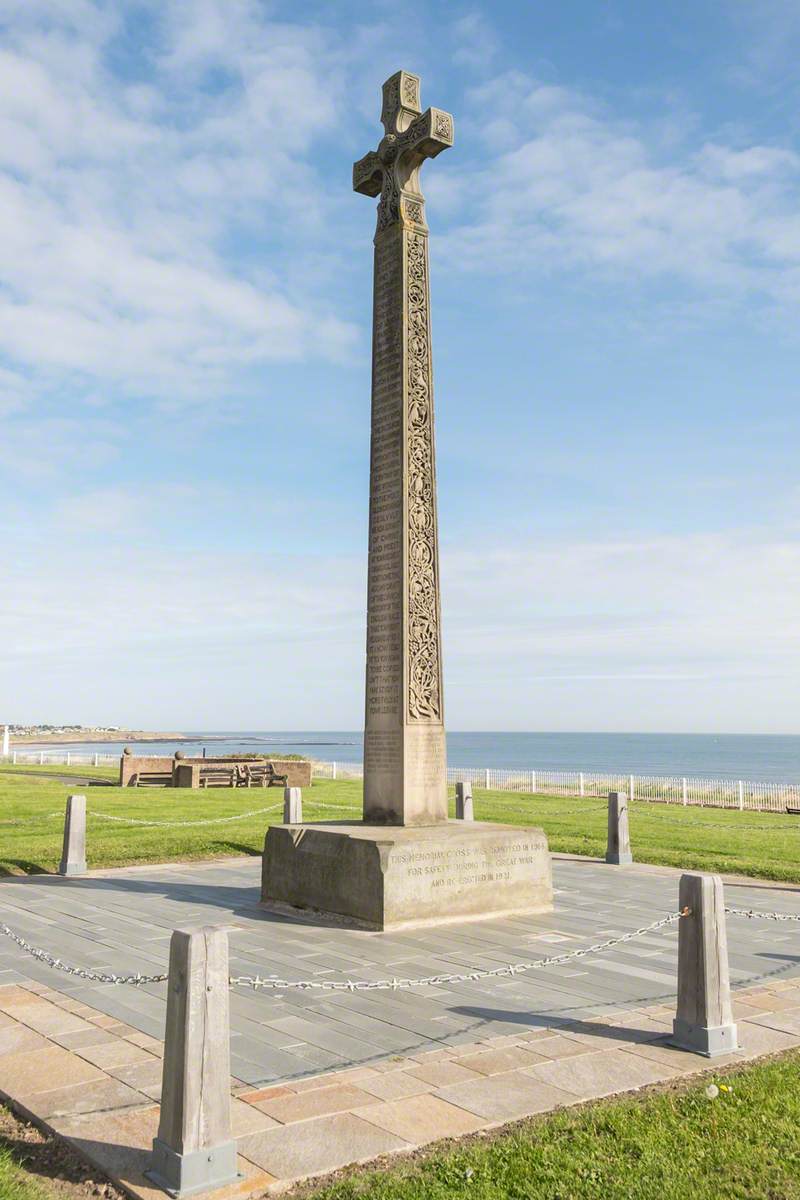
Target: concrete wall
<point x="134" y="764"/>
<point x="299" y="773"/>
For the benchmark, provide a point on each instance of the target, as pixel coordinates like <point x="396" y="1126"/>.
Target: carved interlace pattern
<point x="414" y="210"/>
<point x="410" y="86"/>
<point x="391" y="99"/>
<point x="442" y="126"/>
<point x="389" y="205"/>
<point x="424" y="689"/>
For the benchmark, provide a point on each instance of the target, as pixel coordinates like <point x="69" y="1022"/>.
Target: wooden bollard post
<point x="618" y="846"/>
<point x="73" y="853"/>
<point x="464" y="810"/>
<point x="194" y="1150"/>
<point x="292" y="806"/>
<point x="704" y="1019"/>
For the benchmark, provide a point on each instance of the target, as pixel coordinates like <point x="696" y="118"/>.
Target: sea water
<point x="755" y="757"/>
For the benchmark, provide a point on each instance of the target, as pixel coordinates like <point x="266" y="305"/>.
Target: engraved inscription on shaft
<point x="385" y="576"/>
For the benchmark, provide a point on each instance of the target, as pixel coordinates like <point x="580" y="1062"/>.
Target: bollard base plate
<point x="619" y="860"/>
<point x="72" y="869"/>
<point x="198" y="1171"/>
<point x="709" y="1040"/>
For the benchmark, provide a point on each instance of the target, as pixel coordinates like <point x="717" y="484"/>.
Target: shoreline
<point x="120" y="735"/>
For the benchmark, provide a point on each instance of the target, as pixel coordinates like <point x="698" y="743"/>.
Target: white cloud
<point x="675" y="633"/>
<point x="475" y="41"/>
<point x="568" y="186"/>
<point x="119" y="202"/>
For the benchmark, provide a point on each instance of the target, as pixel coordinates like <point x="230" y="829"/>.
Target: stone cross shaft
<point x="404" y="745"/>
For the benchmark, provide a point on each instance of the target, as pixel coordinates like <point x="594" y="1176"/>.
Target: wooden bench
<point x="217" y="777"/>
<point x="151" y="779"/>
<point x="259" y="775"/>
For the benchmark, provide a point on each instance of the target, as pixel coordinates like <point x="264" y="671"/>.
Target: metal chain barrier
<point x="51" y="960"/>
<point x="180" y="824"/>
<point x="511" y="969"/>
<point x="588" y="806"/>
<point x="184" y="824"/>
<point x="332" y="807"/>
<point x="344" y="985"/>
<point x="752" y="914"/>
<point x="595" y="807"/>
<point x="732" y="826"/>
<point x="31" y="820"/>
<point x="274" y="984"/>
<point x="215" y="820"/>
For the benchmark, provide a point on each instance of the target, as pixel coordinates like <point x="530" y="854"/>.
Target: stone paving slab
<point x="82" y="1058"/>
<point x="312" y="1126"/>
<point x="122" y="920"/>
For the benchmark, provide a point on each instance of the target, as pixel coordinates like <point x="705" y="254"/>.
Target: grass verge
<point x="15" y="1182"/>
<point x="744" y="1144"/>
<point x="761" y="845"/>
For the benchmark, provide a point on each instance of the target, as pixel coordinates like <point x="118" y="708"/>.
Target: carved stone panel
<point x="424" y="667"/>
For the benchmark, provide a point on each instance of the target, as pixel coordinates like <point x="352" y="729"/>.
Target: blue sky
<point x="185" y="290"/>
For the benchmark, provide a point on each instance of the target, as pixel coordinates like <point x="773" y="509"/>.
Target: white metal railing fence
<point x="660" y="789"/>
<point x="338" y="770"/>
<point x="69" y="758"/>
<point x="740" y="794"/>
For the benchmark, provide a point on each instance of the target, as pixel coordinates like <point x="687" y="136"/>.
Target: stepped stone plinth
<point x="391" y="877"/>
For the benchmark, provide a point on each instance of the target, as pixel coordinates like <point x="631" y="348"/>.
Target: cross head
<point x="392" y="171"/>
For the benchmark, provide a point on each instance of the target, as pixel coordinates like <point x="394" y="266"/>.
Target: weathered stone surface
<point x="370" y="874"/>
<point x="704" y="1019"/>
<point x="405" y="778"/>
<point x="464" y="810"/>
<point x="292" y="806"/>
<point x="73" y="854"/>
<point x="618" y="848"/>
<point x="194" y="1150"/>
<point x="386" y="878"/>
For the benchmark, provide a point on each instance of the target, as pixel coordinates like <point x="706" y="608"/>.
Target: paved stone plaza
<point x="323" y="1080"/>
<point x="121" y="921"/>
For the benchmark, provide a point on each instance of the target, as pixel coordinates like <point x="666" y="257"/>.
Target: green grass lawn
<point x="674" y="1145"/>
<point x="666" y="1144"/>
<point x="702" y="839"/>
<point x="15" y="1182"/>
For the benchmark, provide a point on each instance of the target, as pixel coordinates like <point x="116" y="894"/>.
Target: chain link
<point x="214" y="820"/>
<point x="732" y="826"/>
<point x="511" y="969"/>
<point x="51" y="960"/>
<point x="595" y="807"/>
<point x="184" y="824"/>
<point x="344" y="985"/>
<point x="31" y="820"/>
<point x="274" y="984"/>
<point x="752" y="914"/>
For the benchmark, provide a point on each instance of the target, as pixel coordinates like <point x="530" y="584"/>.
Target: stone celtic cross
<point x="405" y="776"/>
<point x="392" y="171"/>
